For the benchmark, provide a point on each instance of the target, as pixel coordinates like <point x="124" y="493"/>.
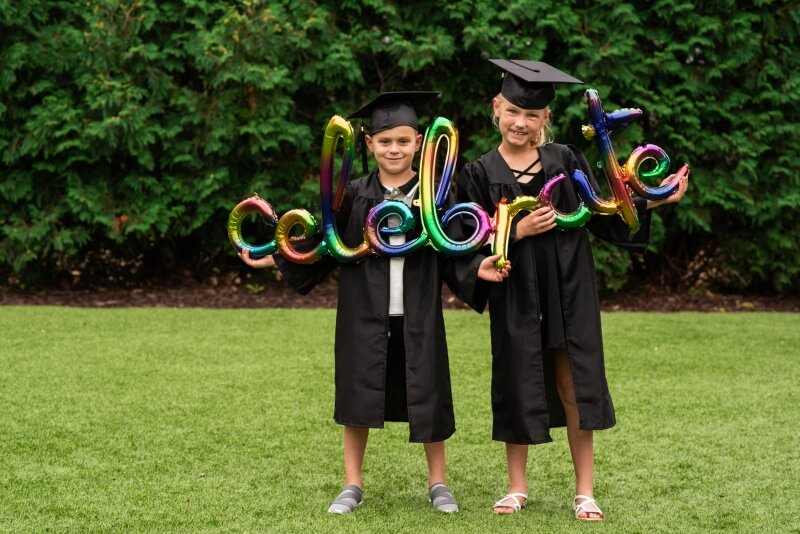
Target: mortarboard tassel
<point x="363" y="144"/>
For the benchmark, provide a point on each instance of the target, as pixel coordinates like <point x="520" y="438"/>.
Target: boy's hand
<point x="261" y="263"/>
<point x="487" y="271"/>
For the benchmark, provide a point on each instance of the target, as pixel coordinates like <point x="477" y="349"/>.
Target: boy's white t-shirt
<point x="396" y="271"/>
<point x="396" y="263"/>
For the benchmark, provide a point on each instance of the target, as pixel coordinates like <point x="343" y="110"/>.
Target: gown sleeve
<point x="461" y="273"/>
<point x="612" y="228"/>
<point x="304" y="277"/>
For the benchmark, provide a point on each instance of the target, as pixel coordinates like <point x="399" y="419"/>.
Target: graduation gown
<point x="362" y="323"/>
<point x="525" y="402"/>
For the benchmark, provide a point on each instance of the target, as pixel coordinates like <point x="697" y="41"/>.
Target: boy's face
<point x="394" y="149"/>
<point x="518" y="126"/>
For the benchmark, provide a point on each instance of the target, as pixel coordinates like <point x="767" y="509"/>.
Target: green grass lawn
<point x="167" y="420"/>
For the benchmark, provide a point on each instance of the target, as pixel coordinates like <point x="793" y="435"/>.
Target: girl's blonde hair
<point x="545" y="132"/>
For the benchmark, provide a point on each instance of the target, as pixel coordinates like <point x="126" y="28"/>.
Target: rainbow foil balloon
<point x="296" y="231"/>
<point x="254" y="204"/>
<point x="600" y="127"/>
<point x="506" y="211"/>
<point x="430" y="206"/>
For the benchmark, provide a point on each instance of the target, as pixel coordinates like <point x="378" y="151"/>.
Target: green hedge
<point x="128" y="130"/>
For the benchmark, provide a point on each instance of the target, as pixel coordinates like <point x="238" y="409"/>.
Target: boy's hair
<point x="545" y="133"/>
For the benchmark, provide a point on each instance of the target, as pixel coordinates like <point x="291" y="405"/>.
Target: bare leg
<point x="581" y="443"/>
<point x="441" y="497"/>
<point x="517" y="457"/>
<point x="435" y="453"/>
<point x="355" y="444"/>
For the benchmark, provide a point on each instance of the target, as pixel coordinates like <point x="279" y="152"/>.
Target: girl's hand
<point x="487" y="271"/>
<point x="683" y="177"/>
<point x="261" y="263"/>
<point x="538" y="221"/>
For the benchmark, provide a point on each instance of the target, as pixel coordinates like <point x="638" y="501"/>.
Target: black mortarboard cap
<point x="388" y="110"/>
<point x="530" y="84"/>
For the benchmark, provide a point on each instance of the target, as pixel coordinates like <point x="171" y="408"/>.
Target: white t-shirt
<point x="396" y="271"/>
<point x="396" y="263"/>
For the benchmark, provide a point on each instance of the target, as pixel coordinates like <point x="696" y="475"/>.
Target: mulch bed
<point x="279" y="295"/>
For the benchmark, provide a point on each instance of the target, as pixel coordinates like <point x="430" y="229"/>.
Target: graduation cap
<point x="388" y="110"/>
<point x="530" y="84"/>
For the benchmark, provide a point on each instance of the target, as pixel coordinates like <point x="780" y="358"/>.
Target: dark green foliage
<point x="128" y="130"/>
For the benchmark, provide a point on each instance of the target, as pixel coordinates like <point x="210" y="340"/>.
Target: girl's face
<point x="519" y="127"/>
<point x="394" y="149"/>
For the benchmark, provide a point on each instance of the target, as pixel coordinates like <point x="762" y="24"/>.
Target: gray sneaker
<point x="348" y="500"/>
<point x="442" y="498"/>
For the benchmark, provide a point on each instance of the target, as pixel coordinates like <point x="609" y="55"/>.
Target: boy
<point x="390" y="348"/>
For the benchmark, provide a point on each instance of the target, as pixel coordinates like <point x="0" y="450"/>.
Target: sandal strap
<point x="515" y="505"/>
<point x="581" y="507"/>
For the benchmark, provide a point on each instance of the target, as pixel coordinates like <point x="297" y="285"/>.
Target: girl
<point x="547" y="368"/>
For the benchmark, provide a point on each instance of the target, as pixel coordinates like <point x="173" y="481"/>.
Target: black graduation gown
<point x="362" y="323"/>
<point x="525" y="402"/>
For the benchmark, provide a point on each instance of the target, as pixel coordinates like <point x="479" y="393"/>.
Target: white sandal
<point x="580" y="508"/>
<point x="514" y="504"/>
